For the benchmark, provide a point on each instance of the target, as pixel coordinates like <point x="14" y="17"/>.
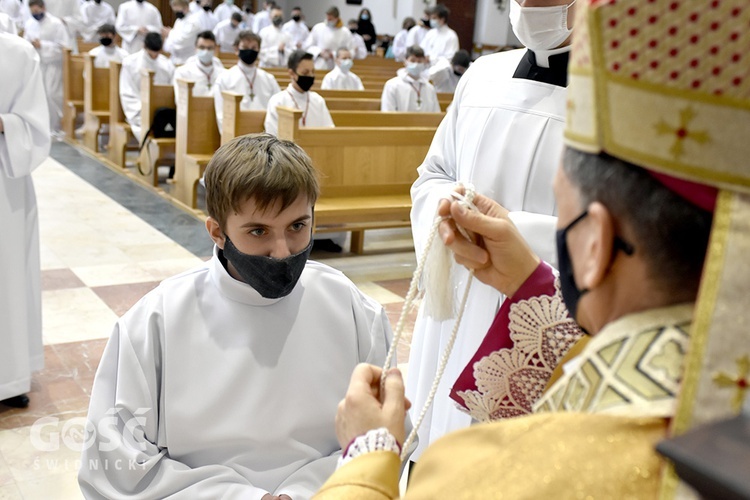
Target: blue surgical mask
<point x="365" y="17"/>
<point x="270" y="277"/>
<point x="39" y="16"/>
<point x="205" y="56"/>
<point x="434" y="23"/>
<point x="414" y="69"/>
<point x="346" y="65"/>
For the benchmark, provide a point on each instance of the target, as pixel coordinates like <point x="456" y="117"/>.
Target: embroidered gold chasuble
<point x="593" y="436"/>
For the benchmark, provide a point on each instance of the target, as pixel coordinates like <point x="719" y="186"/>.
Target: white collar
<point x="404" y="75"/>
<point x="542" y="56"/>
<point x="248" y="70"/>
<point x="295" y="92"/>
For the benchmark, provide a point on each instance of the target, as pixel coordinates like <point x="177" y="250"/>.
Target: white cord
<point x="467" y="200"/>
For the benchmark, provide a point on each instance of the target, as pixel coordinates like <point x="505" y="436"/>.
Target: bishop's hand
<point x="361" y="410"/>
<point x="498" y="254"/>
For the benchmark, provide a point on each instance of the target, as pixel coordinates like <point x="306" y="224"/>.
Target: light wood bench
<point x="385" y="119"/>
<point x="72" y="91"/>
<point x="154" y="97"/>
<point x="197" y="140"/>
<point x="95" y="102"/>
<point x="236" y="122"/>
<point x="366" y="173"/>
<point x="120" y="135"/>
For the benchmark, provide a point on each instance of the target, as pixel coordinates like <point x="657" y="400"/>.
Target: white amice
<point x="237" y="394"/>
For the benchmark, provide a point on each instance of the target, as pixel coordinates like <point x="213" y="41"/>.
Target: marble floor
<point x="106" y="241"/>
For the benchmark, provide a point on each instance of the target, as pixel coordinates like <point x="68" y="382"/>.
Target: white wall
<point x="492" y="24"/>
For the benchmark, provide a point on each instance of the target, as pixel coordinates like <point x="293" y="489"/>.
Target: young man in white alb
<point x="276" y="44"/>
<point x="135" y="19"/>
<point x="95" y="13"/>
<point x="298" y="95"/>
<point x="341" y="77"/>
<point x="107" y="51"/>
<point x="256" y="85"/>
<point x="226" y="32"/>
<point x="441" y="41"/>
<point x="326" y="38"/>
<point x="296" y="28"/>
<point x="179" y="41"/>
<point x="409" y="90"/>
<point x="225" y="10"/>
<point x="203" y="68"/>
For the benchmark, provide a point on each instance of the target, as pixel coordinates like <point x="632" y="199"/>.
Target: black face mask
<point x="179" y="15"/>
<point x="97" y="1"/>
<point x="248" y="10"/>
<point x="570" y="292"/>
<point x="277" y="21"/>
<point x="139" y="1"/>
<point x="425" y="22"/>
<point x="297" y="18"/>
<point x="105" y="41"/>
<point x="272" y="278"/>
<point x="457" y="73"/>
<point x="207" y="8"/>
<point x="305" y="82"/>
<point x="248" y="56"/>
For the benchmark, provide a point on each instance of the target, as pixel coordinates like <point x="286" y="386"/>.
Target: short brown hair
<point x="247" y="36"/>
<point x="259" y="167"/>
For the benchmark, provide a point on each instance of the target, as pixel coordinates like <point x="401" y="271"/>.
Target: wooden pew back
<point x="95" y="101"/>
<point x="236" y="122"/>
<point x="385" y="119"/>
<point x="154" y="97"/>
<point x="119" y="130"/>
<point x="72" y="90"/>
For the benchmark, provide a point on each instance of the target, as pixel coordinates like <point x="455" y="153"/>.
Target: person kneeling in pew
<point x="410" y="90"/>
<point x="256" y="85"/>
<point x="298" y="95"/>
<point x="223" y="382"/>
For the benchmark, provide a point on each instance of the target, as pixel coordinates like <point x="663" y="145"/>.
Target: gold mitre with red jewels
<point x="665" y="85"/>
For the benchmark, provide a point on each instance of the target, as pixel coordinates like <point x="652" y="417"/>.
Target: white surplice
<point x="399" y="45"/>
<point x="7" y="25"/>
<point x="131" y="16"/>
<point x="338" y="80"/>
<point x="314" y="111"/>
<point x="206" y="19"/>
<point x="226" y="34"/>
<point x="180" y="42"/>
<point x="358" y="47"/>
<point x="298" y="31"/>
<point x="404" y="93"/>
<point x="272" y="38"/>
<point x="53" y="36"/>
<point x="415" y="35"/>
<point x="323" y="37"/>
<point x="204" y="76"/>
<point x="505" y="136"/>
<point x="24" y="145"/>
<point x="93" y="15"/>
<point x="17" y="11"/>
<point x="237" y="394"/>
<point x="256" y="86"/>
<point x="261" y="19"/>
<point x="68" y="11"/>
<point x="443" y="77"/>
<point x="104" y="55"/>
<point x="130" y="84"/>
<point x="440" y="42"/>
<point x="225" y="10"/>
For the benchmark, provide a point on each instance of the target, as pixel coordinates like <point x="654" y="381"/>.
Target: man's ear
<point x="215" y="232"/>
<point x="597" y="245"/>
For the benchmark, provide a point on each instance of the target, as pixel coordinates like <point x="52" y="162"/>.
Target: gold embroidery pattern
<point x="682" y="133"/>
<point x="739" y="382"/>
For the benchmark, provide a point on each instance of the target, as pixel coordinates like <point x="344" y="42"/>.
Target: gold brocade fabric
<point x="633" y="367"/>
<point x="563" y="455"/>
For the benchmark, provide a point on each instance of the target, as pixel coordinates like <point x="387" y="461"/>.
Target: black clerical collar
<point x="556" y="74"/>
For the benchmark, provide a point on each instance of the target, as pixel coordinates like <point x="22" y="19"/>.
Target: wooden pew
<point x="385" y="119"/>
<point x="236" y="122"/>
<point x="120" y="135"/>
<point x="95" y="102"/>
<point x="366" y="172"/>
<point x="352" y="104"/>
<point x="197" y="140"/>
<point x="72" y="91"/>
<point x="84" y="47"/>
<point x="156" y="151"/>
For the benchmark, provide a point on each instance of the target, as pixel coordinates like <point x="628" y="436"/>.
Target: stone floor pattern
<point x="105" y="242"/>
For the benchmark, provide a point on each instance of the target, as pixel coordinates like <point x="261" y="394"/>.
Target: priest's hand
<point x="498" y="254"/>
<point x="362" y="410"/>
<point x="36" y="43"/>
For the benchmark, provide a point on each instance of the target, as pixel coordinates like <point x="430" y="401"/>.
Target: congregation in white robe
<point x="204" y="69"/>
<point x="180" y="42"/>
<point x="262" y="17"/>
<point x="136" y="18"/>
<point x="275" y="45"/>
<point x="130" y="79"/>
<point x="24" y="144"/>
<point x="314" y="110"/>
<point x="256" y="86"/>
<point x="95" y="13"/>
<point x="206" y="18"/>
<point x="417" y="33"/>
<point x="441" y="41"/>
<point x="326" y="38"/>
<point x="225" y="10"/>
<point x="409" y="92"/>
<point x="7" y="25"/>
<point x="49" y="36"/>
<point x="529" y="117"/>
<point x="341" y="77"/>
<point x="105" y="54"/>
<point x="226" y="32"/>
<point x="17" y="11"/>
<point x="296" y="29"/>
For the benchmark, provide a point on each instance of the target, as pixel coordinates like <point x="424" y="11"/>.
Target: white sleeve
<point x="155" y="23"/>
<point x="130" y="95"/>
<point x="388" y="101"/>
<point x="432" y="104"/>
<point x="219" y="101"/>
<point x="126" y="31"/>
<point x="271" y="123"/>
<point x="327" y="119"/>
<point x="539" y="231"/>
<point x="359" y="83"/>
<point x="25" y="142"/>
<point x="124" y="457"/>
<point x="327" y="82"/>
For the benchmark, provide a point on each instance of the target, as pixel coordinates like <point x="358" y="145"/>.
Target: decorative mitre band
<point x="665" y="84"/>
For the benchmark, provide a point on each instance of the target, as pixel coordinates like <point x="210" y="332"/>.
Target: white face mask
<point x="346" y="65"/>
<point x="205" y="56"/>
<point x="435" y="24"/>
<point x="540" y="28"/>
